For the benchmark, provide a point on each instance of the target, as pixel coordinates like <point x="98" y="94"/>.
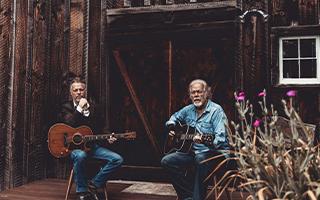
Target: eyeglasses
<point x="81" y="90"/>
<point x="197" y="91"/>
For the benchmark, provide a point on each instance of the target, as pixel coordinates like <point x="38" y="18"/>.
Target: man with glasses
<point x="79" y="112"/>
<point x="206" y="117"/>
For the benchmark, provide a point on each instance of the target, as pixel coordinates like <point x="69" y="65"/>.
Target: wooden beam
<point x="66" y="53"/>
<point x="170" y="76"/>
<point x="222" y="27"/>
<point x="104" y="65"/>
<point x="170" y="8"/>
<point x="138" y="105"/>
<point x="85" y="56"/>
<point x="8" y="173"/>
<point x="28" y="91"/>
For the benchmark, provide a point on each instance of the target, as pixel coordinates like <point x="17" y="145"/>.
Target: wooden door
<point x="159" y="74"/>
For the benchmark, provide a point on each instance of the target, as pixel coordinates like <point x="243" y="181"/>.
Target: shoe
<point x="93" y="190"/>
<point x="84" y="196"/>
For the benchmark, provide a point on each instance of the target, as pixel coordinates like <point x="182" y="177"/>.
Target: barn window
<point x="299" y="60"/>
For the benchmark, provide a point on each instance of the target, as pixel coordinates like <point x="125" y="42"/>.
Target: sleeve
<point x="68" y="116"/>
<point x="178" y="116"/>
<point x="221" y="139"/>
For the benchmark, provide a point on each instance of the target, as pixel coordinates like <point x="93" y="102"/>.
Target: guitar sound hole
<point x="77" y="139"/>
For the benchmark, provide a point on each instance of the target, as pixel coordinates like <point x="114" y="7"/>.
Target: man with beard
<point x="206" y="117"/>
<point x="79" y="112"/>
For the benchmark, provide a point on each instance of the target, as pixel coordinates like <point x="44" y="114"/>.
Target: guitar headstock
<point x="129" y="135"/>
<point x="208" y="139"/>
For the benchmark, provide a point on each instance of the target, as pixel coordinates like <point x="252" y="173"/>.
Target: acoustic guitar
<point x="183" y="139"/>
<point x="63" y="139"/>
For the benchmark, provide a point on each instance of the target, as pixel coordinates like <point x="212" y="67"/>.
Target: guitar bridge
<point x="65" y="140"/>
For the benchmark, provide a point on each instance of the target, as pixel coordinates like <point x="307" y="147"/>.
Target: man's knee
<point x="164" y="161"/>
<point x="79" y="156"/>
<point x="119" y="160"/>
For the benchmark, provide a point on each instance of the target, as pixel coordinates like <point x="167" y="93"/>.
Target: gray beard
<point x="198" y="105"/>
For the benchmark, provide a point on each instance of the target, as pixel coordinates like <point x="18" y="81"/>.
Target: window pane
<point x="308" y="68"/>
<point x="290" y="69"/>
<point x="290" y="48"/>
<point x="308" y="48"/>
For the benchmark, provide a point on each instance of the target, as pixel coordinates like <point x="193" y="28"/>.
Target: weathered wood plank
<point x="96" y="41"/>
<point x="170" y="8"/>
<point x="6" y="39"/>
<point x="8" y="177"/>
<point x="85" y="50"/>
<point x="56" y="188"/>
<point x="56" y="169"/>
<point x="76" y="37"/>
<point x="104" y="64"/>
<point x="66" y="52"/>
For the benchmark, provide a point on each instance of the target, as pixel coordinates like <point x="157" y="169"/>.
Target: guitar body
<point x="177" y="143"/>
<point x="63" y="139"/>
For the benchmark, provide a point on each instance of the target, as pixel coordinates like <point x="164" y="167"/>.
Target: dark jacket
<point x="70" y="116"/>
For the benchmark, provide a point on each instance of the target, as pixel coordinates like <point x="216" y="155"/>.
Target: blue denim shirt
<point x="210" y="122"/>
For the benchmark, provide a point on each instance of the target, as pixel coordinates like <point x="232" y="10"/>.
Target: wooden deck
<point x="56" y="189"/>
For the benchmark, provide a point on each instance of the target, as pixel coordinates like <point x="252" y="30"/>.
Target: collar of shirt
<point x="207" y="109"/>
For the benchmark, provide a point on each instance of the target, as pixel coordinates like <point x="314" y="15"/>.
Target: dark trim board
<point x="171" y="19"/>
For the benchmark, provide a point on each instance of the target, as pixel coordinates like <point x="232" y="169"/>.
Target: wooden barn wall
<point x="43" y="44"/>
<point x="257" y="66"/>
<point x="293" y="18"/>
<point x="22" y="81"/>
<point x="15" y="137"/>
<point x="5" y="76"/>
<point x="252" y="61"/>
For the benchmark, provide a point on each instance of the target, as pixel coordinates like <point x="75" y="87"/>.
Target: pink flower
<point x="256" y="123"/>
<point x="240" y="98"/>
<point x="291" y="93"/>
<point x="261" y="94"/>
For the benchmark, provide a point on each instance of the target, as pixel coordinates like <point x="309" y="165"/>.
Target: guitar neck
<point x="187" y="136"/>
<point x="88" y="138"/>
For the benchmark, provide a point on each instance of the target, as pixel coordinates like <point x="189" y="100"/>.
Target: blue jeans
<point x="172" y="164"/>
<point x="79" y="157"/>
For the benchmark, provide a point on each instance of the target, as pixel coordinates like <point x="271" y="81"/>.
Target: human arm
<point x="221" y="139"/>
<point x="172" y="122"/>
<point x="69" y="115"/>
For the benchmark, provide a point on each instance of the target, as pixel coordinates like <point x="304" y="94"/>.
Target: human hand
<point x="198" y="138"/>
<point x="172" y="133"/>
<point x="83" y="103"/>
<point x="112" y="139"/>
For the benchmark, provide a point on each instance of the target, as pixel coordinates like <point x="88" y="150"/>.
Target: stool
<point x="92" y="161"/>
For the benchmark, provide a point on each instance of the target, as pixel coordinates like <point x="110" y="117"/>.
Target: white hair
<point x="206" y="88"/>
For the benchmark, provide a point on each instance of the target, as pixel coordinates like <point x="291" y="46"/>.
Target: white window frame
<point x="298" y="81"/>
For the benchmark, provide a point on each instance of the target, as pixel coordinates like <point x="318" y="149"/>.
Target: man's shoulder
<point x="188" y="107"/>
<point x="214" y="106"/>
<point x="67" y="104"/>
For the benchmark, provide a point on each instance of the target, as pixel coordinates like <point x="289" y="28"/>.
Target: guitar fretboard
<point x="187" y="136"/>
<point x="88" y="138"/>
